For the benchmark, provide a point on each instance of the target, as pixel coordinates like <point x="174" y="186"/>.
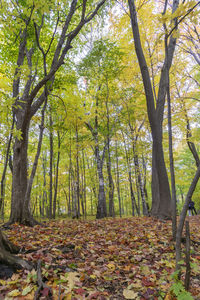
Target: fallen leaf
<point x="128" y="294"/>
<point x="72" y="278"/>
<point x="27" y="290"/>
<point x="111" y="266"/>
<point x="14" y="293"/>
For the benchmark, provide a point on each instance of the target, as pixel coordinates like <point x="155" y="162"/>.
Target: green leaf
<point x="27" y="290"/>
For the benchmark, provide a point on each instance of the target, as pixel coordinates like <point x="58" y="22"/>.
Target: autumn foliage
<point x="128" y="258"/>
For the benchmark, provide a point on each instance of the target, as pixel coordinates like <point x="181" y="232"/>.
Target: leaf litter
<point x="128" y="258"/>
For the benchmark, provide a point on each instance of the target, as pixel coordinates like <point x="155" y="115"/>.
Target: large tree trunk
<point x="161" y="198"/>
<point x="21" y="190"/>
<point x="20" y="209"/>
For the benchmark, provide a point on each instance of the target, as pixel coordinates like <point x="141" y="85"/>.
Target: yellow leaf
<point x="93" y="276"/>
<point x="111" y="266"/>
<point x="68" y="296"/>
<point x="12" y="282"/>
<point x="128" y="294"/>
<point x="14" y="293"/>
<point x="168" y="296"/>
<point x="3" y="282"/>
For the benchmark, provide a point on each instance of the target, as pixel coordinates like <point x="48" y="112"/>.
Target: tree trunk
<point x="139" y="180"/>
<point x="161" y="198"/>
<point x="111" y="184"/>
<point x="144" y="181"/>
<point x="44" y="195"/>
<point x="101" y="207"/>
<point x="51" y="166"/>
<point x="56" y="179"/>
<point x="77" y="174"/>
<point x="34" y="168"/>
<point x="70" y="179"/>
<point x="84" y="184"/>
<point x="133" y="200"/>
<point x="118" y="184"/>
<point x="170" y="135"/>
<point x="20" y="209"/>
<point x="6" y="257"/>
<point x="108" y="159"/>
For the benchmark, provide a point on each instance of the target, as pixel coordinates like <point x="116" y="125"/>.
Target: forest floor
<point x="128" y="258"/>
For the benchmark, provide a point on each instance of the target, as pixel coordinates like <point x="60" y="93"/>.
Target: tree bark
<point x="20" y="209"/>
<point x="161" y="198"/>
<point x="51" y="165"/>
<point x="110" y="183"/>
<point x="118" y="181"/>
<point x="84" y="185"/>
<point x="133" y="200"/>
<point x="170" y="136"/>
<point x="101" y="207"/>
<point x="56" y="179"/>
<point x="77" y="174"/>
<point x="44" y="195"/>
<point x="30" y="181"/>
<point x="6" y="254"/>
<point x="139" y="180"/>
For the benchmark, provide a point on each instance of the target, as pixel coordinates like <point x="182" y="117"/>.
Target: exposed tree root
<point x="6" y="256"/>
<point x="42" y="287"/>
<point x="31" y="222"/>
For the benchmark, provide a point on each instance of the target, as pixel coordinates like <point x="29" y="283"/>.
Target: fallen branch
<point x="42" y="287"/>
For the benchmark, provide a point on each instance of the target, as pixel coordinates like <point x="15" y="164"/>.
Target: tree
<point x="37" y="62"/>
<point x="100" y="67"/>
<point x="161" y="198"/>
